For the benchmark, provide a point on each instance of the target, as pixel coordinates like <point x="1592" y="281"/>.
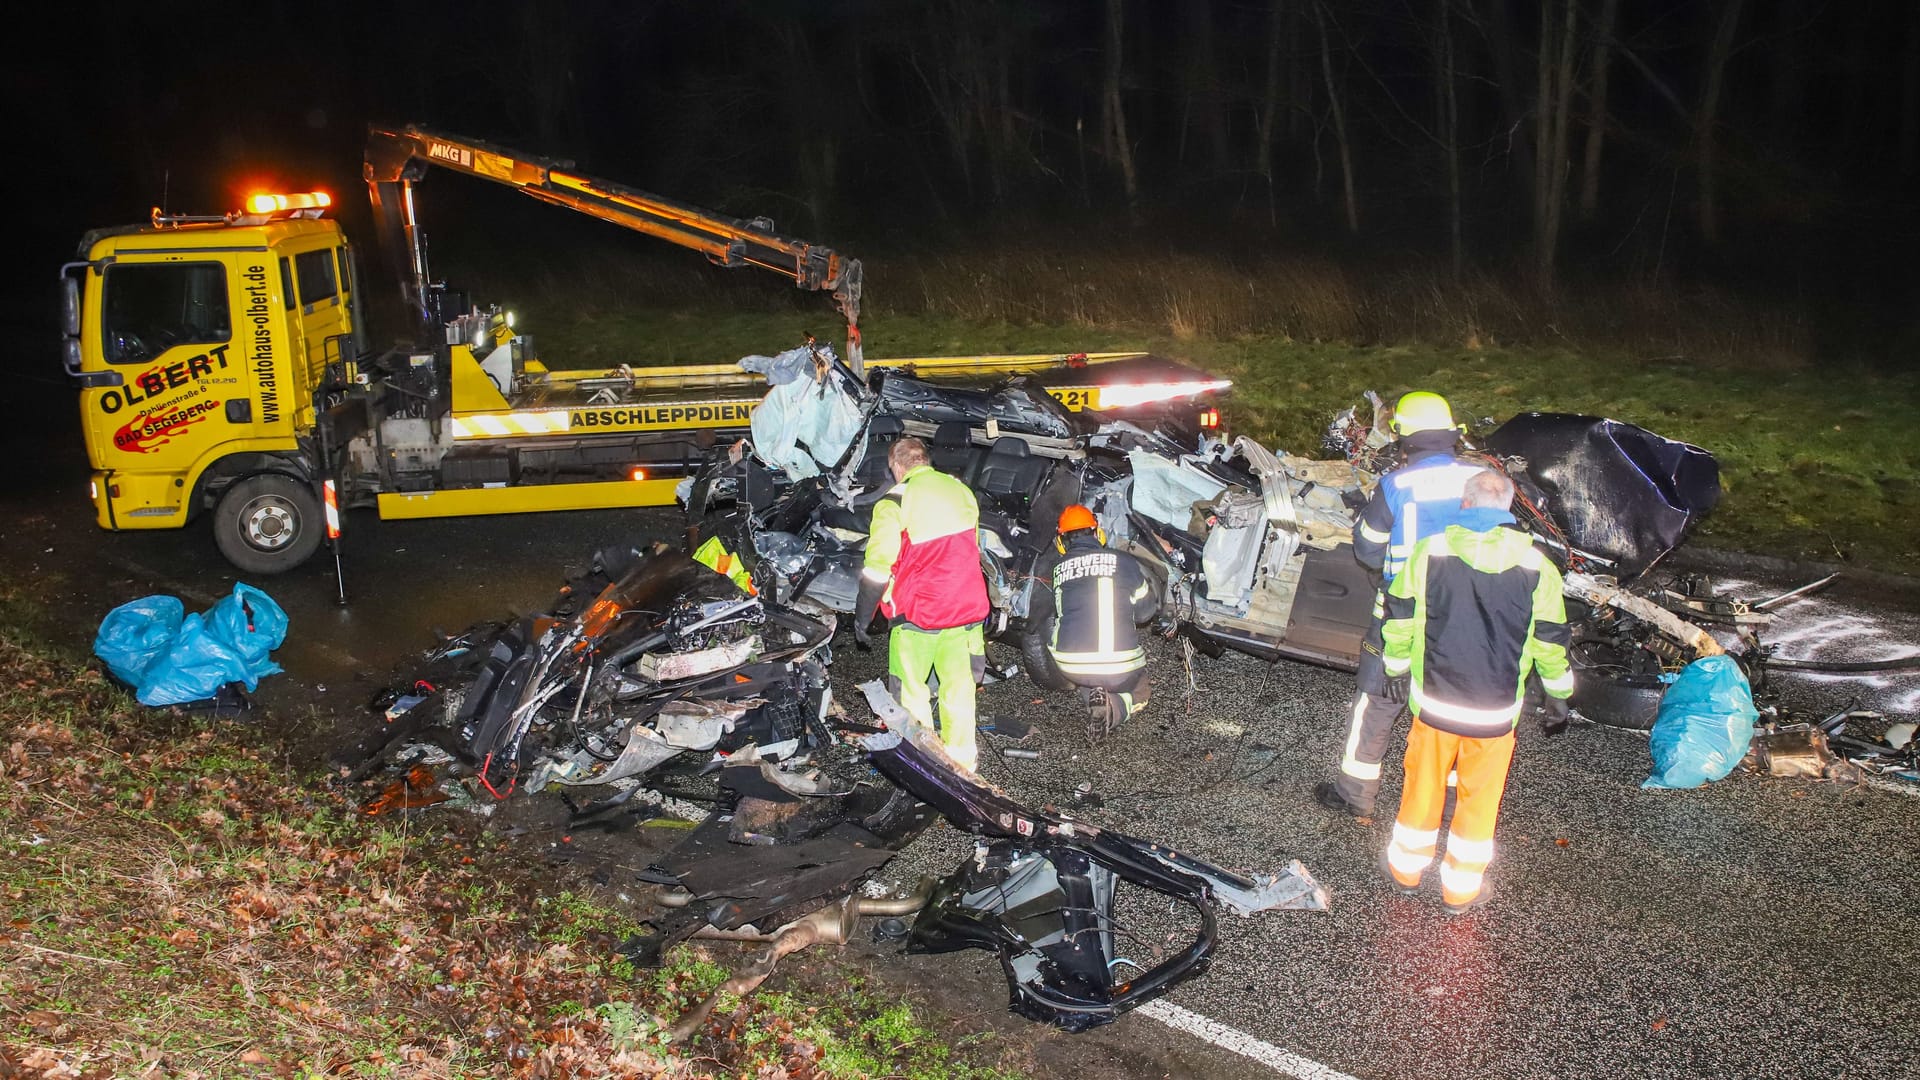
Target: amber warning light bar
<point x="273" y="204"/>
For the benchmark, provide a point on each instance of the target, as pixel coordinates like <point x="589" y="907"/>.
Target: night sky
<point x="906" y="127"/>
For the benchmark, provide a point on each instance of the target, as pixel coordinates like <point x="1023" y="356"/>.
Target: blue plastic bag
<point x="1705" y="723"/>
<point x="133" y="635"/>
<point x="171" y="660"/>
<point x="194" y="668"/>
<point x="250" y="622"/>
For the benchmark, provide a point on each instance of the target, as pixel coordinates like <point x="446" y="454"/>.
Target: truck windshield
<point x="151" y="308"/>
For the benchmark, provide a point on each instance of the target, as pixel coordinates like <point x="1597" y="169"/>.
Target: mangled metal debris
<point x="667" y="660"/>
<point x="1248" y="548"/>
<point x="654" y="669"/>
<point x="1040" y="888"/>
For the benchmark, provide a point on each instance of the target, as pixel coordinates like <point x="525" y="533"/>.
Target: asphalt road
<point x="1754" y="928"/>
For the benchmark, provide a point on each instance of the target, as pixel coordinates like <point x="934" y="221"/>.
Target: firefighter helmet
<point x="1421" y="411"/>
<point x="1076" y="517"/>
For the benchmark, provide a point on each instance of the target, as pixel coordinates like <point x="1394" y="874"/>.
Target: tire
<point x="1616" y="698"/>
<point x="268" y="524"/>
<point x="1036" y="661"/>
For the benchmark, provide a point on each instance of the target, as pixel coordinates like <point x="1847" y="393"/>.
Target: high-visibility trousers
<point x="957" y="659"/>
<point x="1481" y="766"/>
<point x="1371" y="726"/>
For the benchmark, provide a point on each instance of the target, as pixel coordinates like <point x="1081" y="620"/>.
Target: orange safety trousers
<point x="1481" y="766"/>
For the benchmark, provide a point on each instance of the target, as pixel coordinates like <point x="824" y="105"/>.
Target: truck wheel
<point x="268" y="524"/>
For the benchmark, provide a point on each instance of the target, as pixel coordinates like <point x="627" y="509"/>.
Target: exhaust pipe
<point x="833" y="924"/>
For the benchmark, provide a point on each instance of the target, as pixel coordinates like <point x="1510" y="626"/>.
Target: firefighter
<point x="923" y="571"/>
<point x="1415" y="501"/>
<point x="1475" y="610"/>
<point x="1099" y="596"/>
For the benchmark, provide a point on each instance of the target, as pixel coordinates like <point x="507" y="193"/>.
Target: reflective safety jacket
<point x="1476" y="609"/>
<point x="1099" y="595"/>
<point x="1417" y="500"/>
<point x="926" y="537"/>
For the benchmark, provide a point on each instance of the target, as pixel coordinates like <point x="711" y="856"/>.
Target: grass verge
<point x="182" y="904"/>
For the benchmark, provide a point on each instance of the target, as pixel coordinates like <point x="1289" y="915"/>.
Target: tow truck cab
<point x="197" y="344"/>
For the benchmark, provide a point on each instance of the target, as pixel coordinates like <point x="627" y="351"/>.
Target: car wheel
<point x="268" y="524"/>
<point x="1035" y="660"/>
<point x="1613" y="694"/>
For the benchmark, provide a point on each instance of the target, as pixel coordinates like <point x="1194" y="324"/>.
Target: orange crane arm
<point x="396" y="158"/>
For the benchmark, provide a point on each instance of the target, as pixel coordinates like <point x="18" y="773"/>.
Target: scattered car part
<point x="1040" y="887"/>
<point x="1791" y="595"/>
<point x="1614" y="490"/>
<point x="1797" y="750"/>
<point x="1847" y="667"/>
<point x="833" y="924"/>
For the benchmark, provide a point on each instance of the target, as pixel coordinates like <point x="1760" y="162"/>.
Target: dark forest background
<point x="1765" y="150"/>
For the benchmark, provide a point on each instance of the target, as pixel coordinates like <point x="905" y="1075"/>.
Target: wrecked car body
<point x="653" y="666"/>
<point x="804" y="531"/>
<point x="667" y="658"/>
<point x="1249" y="550"/>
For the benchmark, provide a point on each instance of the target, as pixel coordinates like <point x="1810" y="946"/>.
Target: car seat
<point x="952" y="449"/>
<point x="1009" y="474"/>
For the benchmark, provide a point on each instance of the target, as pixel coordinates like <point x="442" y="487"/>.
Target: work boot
<point x="1394" y="883"/>
<point x="1099" y="715"/>
<point x="1479" y="900"/>
<point x="1327" y="794"/>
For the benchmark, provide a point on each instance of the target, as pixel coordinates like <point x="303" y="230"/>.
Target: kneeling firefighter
<point x="1099" y="596"/>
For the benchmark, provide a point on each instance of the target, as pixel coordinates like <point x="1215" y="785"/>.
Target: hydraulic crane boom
<point x="397" y="158"/>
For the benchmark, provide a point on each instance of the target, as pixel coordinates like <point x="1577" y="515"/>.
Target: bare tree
<point x="1277" y="18"/>
<point x="1552" y="108"/>
<point x="1446" y="107"/>
<point x="1114" y="112"/>
<point x="547" y="53"/>
<point x="1705" y="140"/>
<point x="1787" y="70"/>
<point x="1339" y="119"/>
<point x="1597" y="108"/>
<point x="1506" y="76"/>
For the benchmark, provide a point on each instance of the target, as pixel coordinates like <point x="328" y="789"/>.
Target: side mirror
<point x="70" y="305"/>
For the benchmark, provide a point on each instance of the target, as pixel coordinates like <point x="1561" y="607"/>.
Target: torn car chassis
<point x="651" y="665"/>
<point x="650" y="662"/>
<point x="1250" y="550"/>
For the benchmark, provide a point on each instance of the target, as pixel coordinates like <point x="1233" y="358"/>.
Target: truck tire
<point x="268" y="524"/>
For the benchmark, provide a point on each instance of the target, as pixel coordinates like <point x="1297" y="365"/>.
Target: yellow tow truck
<point x="224" y="365"/>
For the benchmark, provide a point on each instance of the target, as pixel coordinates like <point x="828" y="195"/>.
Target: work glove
<point x="1555" y="719"/>
<point x="1396" y="689"/>
<point x="865" y="605"/>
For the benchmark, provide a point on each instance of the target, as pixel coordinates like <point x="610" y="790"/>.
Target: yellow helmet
<point x="1421" y="411"/>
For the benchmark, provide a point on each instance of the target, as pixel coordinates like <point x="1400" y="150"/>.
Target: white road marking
<point x="1227" y="1038"/>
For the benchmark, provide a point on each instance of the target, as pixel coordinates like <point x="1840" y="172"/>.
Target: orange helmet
<point x="1076" y="517"/>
